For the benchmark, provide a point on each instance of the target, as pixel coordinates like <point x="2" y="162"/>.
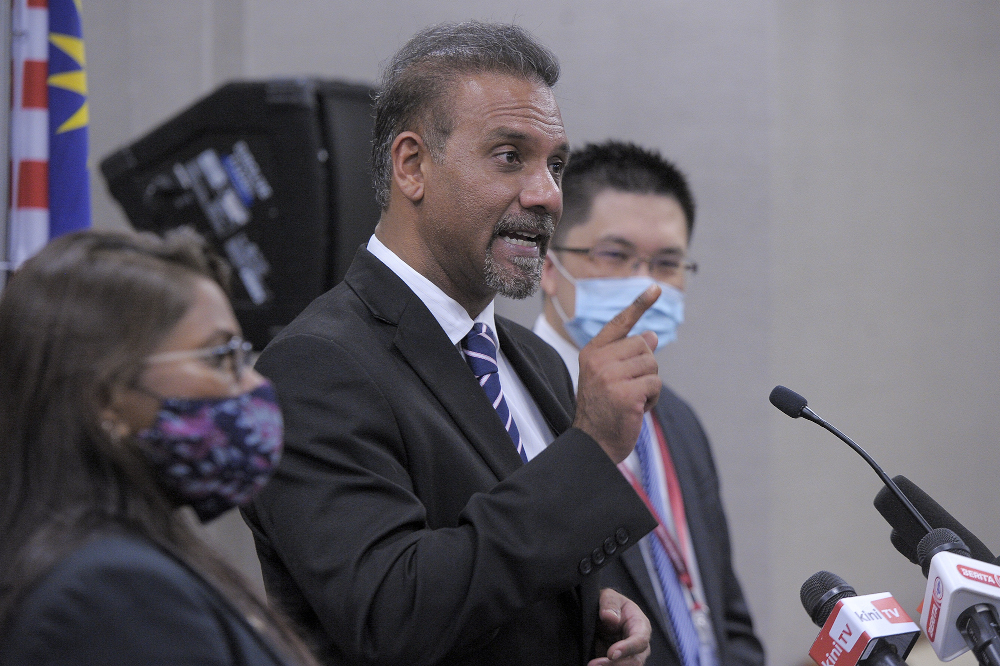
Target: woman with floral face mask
<point x="125" y="393"/>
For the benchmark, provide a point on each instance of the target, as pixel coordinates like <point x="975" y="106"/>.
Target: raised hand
<point x="618" y="380"/>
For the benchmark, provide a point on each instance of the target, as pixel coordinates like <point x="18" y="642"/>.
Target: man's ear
<point x="548" y="277"/>
<point x="409" y="153"/>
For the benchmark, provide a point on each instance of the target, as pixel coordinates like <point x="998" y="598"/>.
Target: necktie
<point x="480" y="350"/>
<point x="689" y="644"/>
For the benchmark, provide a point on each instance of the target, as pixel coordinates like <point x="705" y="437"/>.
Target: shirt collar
<point x="451" y="316"/>
<point x="567" y="350"/>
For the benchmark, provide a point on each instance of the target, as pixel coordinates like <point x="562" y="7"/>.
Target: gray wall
<point x="846" y="161"/>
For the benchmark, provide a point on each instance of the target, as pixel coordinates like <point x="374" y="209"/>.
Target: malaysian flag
<point x="50" y="188"/>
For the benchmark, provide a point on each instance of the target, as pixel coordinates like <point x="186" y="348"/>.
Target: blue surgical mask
<point x="598" y="300"/>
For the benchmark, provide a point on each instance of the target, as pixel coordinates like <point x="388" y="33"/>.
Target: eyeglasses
<point x="620" y="260"/>
<point x="238" y="353"/>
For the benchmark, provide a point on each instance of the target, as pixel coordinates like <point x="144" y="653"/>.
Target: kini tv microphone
<point x="907" y="533"/>
<point x="960" y="601"/>
<point x="872" y="630"/>
<point x="794" y="405"/>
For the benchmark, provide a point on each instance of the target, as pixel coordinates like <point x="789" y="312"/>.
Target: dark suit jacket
<point x="692" y="458"/>
<point x="401" y="526"/>
<point x="121" y="600"/>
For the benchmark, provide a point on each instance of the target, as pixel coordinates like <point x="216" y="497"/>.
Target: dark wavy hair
<point x="416" y="82"/>
<point x="76" y="322"/>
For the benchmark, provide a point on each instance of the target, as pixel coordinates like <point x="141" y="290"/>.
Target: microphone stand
<point x="981" y="631"/>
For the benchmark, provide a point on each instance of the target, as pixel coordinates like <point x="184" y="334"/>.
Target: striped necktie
<point x="480" y="350"/>
<point x="689" y="644"/>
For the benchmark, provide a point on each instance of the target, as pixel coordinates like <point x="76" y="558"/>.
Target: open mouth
<point x="522" y="238"/>
<point x="525" y="235"/>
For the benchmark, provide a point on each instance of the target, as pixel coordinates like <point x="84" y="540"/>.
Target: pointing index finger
<point x="618" y="328"/>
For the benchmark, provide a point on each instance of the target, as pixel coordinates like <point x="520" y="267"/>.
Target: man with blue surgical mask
<point x="627" y="220"/>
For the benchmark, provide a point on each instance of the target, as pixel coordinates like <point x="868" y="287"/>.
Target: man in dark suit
<point x="627" y="221"/>
<point x="404" y="525"/>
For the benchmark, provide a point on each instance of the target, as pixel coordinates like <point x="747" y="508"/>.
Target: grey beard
<point x="519" y="283"/>
<point x="523" y="281"/>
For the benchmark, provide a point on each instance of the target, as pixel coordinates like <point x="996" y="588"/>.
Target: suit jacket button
<point x="597" y="556"/>
<point x="610" y="546"/>
<point x="621" y="536"/>
<point x="585" y="566"/>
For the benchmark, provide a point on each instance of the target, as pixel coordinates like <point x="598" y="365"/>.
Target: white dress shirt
<point x="456" y="322"/>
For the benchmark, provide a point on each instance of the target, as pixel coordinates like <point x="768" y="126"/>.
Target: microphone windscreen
<point x="821" y="592"/>
<point x="938" y="540"/>
<point x="900" y="544"/>
<point x="788" y="401"/>
<point x="909" y="532"/>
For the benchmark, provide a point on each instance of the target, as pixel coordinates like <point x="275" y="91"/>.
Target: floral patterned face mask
<point x="215" y="453"/>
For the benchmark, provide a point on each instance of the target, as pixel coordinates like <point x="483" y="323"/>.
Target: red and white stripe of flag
<point x="29" y="130"/>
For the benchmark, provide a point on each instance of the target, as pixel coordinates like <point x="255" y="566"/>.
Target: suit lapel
<point x="439" y="365"/>
<point x="529" y="370"/>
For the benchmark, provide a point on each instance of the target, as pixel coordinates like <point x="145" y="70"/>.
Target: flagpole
<point x="5" y="45"/>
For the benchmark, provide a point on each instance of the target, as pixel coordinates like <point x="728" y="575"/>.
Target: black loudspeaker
<point x="276" y="174"/>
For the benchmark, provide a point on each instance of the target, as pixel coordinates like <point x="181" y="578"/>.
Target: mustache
<point x="527" y="222"/>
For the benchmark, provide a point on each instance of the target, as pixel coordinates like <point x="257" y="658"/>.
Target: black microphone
<point x="791" y="403"/>
<point x="907" y="533"/>
<point x="794" y="405"/>
<point x="961" y="599"/>
<point x="872" y="630"/>
<point x="939" y="540"/>
<point x="821" y="592"/>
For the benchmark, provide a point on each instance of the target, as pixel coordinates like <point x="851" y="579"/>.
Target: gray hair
<point x="416" y="80"/>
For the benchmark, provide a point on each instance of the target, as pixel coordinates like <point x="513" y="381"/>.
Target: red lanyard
<point x="670" y="545"/>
